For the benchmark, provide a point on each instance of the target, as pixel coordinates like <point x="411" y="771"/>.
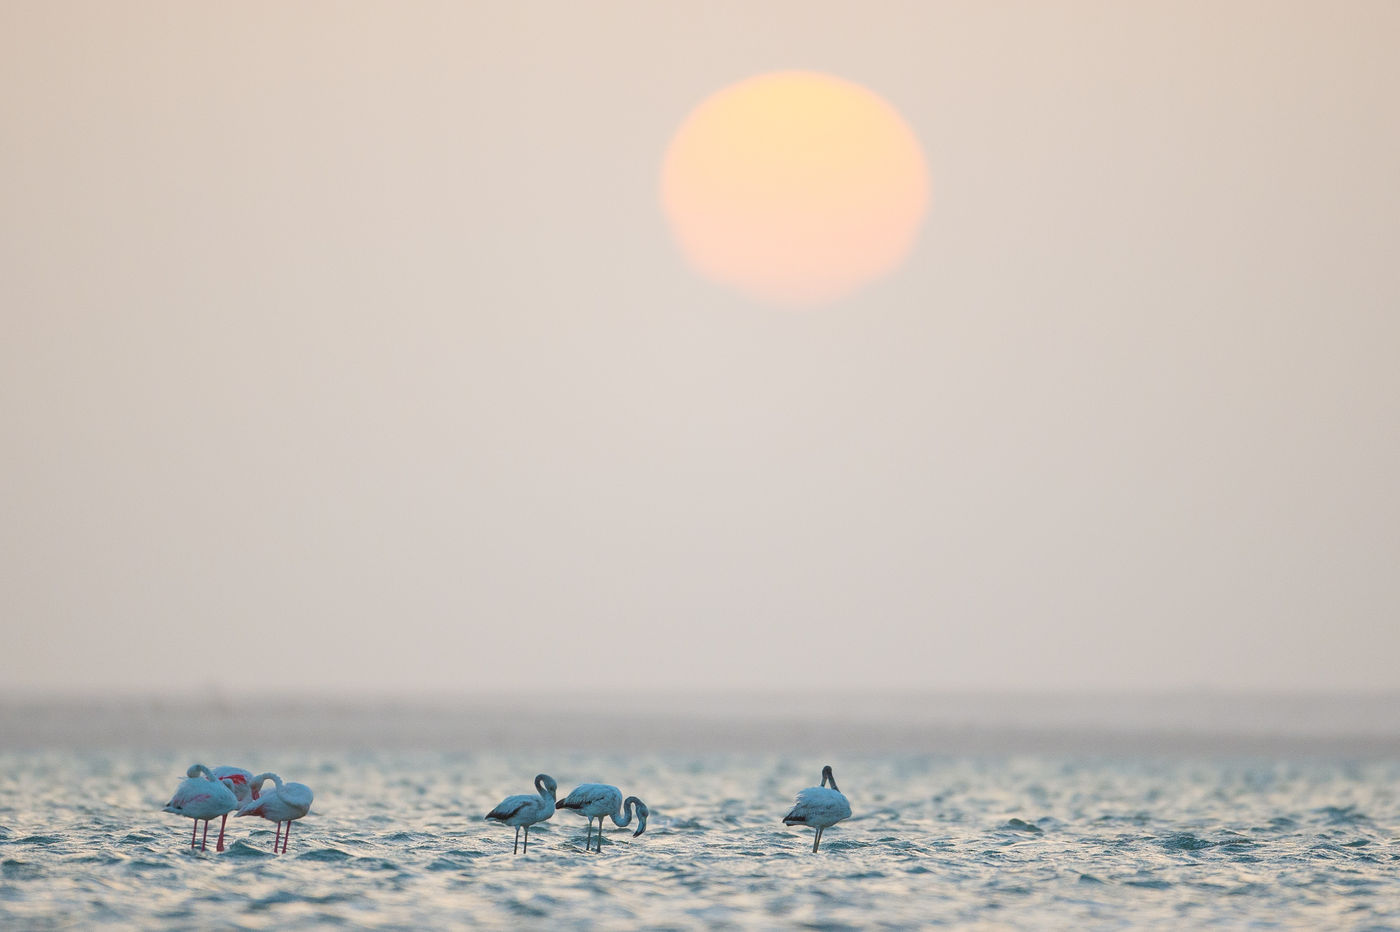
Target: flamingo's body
<point x="286" y="802"/>
<point x="201" y="797"/>
<point x="597" y="800"/>
<point x="526" y="809"/>
<point x="819" y="807"/>
<point x="236" y="779"/>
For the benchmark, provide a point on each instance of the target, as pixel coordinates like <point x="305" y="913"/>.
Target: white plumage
<point x="819" y="807"/>
<point x="200" y="797"/>
<point x="286" y="802"/>
<point x="236" y="779"/>
<point x="597" y="800"/>
<point x="527" y="810"/>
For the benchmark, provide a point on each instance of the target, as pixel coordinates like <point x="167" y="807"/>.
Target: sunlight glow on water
<point x="397" y="840"/>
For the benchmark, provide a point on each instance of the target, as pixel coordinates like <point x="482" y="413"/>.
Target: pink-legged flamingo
<point x="286" y="802"/>
<point x="200" y="797"/>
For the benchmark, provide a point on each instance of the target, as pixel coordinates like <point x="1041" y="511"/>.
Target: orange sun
<point x="794" y="188"/>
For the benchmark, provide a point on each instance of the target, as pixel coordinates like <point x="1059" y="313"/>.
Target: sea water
<point x="397" y="840"/>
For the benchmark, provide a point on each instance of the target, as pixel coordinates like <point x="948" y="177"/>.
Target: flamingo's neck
<point x="633" y="804"/>
<point x="256" y="784"/>
<point x="626" y="812"/>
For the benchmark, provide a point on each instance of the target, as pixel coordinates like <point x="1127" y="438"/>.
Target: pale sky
<point x="345" y="346"/>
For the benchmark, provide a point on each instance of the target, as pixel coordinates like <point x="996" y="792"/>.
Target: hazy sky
<point x="345" y="345"/>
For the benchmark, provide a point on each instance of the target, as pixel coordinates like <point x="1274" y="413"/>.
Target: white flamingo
<point x="286" y="802"/>
<point x="236" y="779"/>
<point x="200" y="797"/>
<point x="819" y="807"/>
<point x="527" y="810"/>
<point x="597" y="800"/>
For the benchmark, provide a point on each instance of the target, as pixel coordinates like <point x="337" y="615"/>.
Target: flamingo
<point x="819" y="807"/>
<point x="236" y="779"/>
<point x="200" y="796"/>
<point x="287" y="802"/>
<point x="597" y="800"/>
<point x="527" y="810"/>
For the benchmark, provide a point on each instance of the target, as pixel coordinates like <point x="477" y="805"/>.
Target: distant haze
<point x="344" y="347"/>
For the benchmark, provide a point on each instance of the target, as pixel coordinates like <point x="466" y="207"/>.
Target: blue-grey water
<point x="396" y="840"/>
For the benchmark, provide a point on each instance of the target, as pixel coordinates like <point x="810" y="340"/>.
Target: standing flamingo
<point x="235" y="778"/>
<point x="819" y="807"/>
<point x="200" y="797"/>
<point x="527" y="810"/>
<point x="597" y="800"/>
<point x="287" y="802"/>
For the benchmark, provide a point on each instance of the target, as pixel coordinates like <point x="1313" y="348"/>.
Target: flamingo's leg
<point x="515" y="849"/>
<point x="193" y="832"/>
<point x="285" y="835"/>
<point x="220" y="845"/>
<point x="204" y="842"/>
<point x="588" y="839"/>
<point x="816" y="841"/>
<point x="527" y="839"/>
<point x="277" y="837"/>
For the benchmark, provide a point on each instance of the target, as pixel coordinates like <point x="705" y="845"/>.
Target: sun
<point x="794" y="188"/>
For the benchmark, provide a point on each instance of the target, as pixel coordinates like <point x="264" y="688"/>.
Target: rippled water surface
<point x="398" y="841"/>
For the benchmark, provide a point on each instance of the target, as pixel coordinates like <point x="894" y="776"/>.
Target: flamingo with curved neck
<point x="201" y="797"/>
<point x="526" y="810"/>
<point x="600" y="800"/>
<point x="287" y="802"/>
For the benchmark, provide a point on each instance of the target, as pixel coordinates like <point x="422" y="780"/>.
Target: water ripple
<point x="397" y="840"/>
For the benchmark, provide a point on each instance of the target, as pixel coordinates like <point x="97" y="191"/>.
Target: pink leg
<point x="193" y="832"/>
<point x="220" y="845"/>
<point x="204" y="842"/>
<point x="277" y="838"/>
<point x="286" y="836"/>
